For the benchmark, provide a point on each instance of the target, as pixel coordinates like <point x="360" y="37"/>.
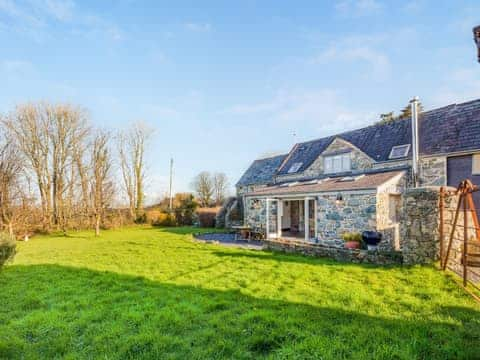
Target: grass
<point x="154" y="293"/>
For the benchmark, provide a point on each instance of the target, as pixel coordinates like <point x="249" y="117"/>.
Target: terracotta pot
<point x="352" y="245"/>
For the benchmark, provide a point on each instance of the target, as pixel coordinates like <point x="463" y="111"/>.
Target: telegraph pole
<point x="171" y="178"/>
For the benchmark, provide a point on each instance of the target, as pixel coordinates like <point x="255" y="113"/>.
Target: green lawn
<point x="154" y="293"/>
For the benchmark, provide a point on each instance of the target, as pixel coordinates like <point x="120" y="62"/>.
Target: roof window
<point x="295" y="167"/>
<point x="399" y="151"/>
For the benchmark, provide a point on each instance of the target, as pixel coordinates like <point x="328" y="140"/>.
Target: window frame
<point x="407" y="146"/>
<point x="330" y="167"/>
<point x="295" y="167"/>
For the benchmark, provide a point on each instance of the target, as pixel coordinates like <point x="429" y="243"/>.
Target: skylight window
<point x="351" y="178"/>
<point x="295" y="167"/>
<point x="399" y="151"/>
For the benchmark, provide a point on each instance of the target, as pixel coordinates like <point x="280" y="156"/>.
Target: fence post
<point x="441" y="209"/>
<point x="465" y="240"/>
<point x="452" y="234"/>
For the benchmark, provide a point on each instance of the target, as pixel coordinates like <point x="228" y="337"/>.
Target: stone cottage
<point x="354" y="181"/>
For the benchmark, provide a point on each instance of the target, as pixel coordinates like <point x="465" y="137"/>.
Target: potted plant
<point x="372" y="239"/>
<point x="352" y="240"/>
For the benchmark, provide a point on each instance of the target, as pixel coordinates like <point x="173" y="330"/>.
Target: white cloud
<point x="378" y="62"/>
<point x="198" y="27"/>
<point x="415" y="5"/>
<point x="14" y="69"/>
<point x="459" y="85"/>
<point x="62" y="10"/>
<point x="322" y="111"/>
<point x="19" y="15"/>
<point x="36" y="17"/>
<point x="358" y="49"/>
<point x="355" y="8"/>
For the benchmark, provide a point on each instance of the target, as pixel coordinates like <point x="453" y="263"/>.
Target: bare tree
<point x="53" y="147"/>
<point x="220" y="185"/>
<point x="102" y="187"/>
<point x="67" y="127"/>
<point x="204" y="188"/>
<point x="47" y="135"/>
<point x="31" y="134"/>
<point x="10" y="168"/>
<point x="131" y="145"/>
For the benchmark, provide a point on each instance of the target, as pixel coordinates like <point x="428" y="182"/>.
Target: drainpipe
<point x="415" y="141"/>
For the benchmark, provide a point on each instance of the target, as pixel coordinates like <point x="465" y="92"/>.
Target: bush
<point x="165" y="219"/>
<point x="7" y="247"/>
<point x="185" y="206"/>
<point x="206" y="217"/>
<point x="141" y="219"/>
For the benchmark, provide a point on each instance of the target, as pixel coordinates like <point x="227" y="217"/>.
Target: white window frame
<point x="407" y="146"/>
<point x="337" y="163"/>
<point x="476" y="164"/>
<point x="295" y="167"/>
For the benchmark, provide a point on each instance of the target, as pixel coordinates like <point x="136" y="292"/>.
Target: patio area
<point x="229" y="239"/>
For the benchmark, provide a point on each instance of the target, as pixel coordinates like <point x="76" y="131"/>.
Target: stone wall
<point x="355" y="213"/>
<point x="388" y="211"/>
<point x="455" y="257"/>
<point x="246" y="189"/>
<point x="419" y="229"/>
<point x="433" y="171"/>
<point x="389" y="200"/>
<point x="255" y="214"/>
<point x="339" y="254"/>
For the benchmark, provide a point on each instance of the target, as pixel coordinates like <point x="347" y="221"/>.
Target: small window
<point x="295" y="167"/>
<point x="337" y="163"/>
<point x="476" y="164"/>
<point x="399" y="151"/>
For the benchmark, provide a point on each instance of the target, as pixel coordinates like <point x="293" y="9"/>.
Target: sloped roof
<point x="366" y="182"/>
<point x="448" y="129"/>
<point x="261" y="171"/>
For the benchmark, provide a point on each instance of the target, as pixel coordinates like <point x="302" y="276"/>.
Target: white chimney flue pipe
<point x="415" y="141"/>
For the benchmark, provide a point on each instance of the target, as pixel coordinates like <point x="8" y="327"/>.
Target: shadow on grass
<point x="54" y="311"/>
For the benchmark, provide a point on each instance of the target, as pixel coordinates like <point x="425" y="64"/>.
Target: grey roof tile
<point x="449" y="129"/>
<point x="261" y="171"/>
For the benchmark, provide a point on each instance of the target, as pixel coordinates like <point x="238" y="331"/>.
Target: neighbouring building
<point x="354" y="181"/>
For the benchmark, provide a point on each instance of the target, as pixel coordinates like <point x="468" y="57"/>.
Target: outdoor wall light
<point x="339" y="199"/>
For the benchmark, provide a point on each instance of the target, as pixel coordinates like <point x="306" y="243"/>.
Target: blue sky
<point x="222" y="83"/>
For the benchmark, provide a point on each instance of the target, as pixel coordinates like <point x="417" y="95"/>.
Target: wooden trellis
<point x="469" y="237"/>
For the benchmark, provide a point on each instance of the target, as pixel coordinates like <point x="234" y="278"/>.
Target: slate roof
<point x="367" y="182"/>
<point x="448" y="129"/>
<point x="261" y="171"/>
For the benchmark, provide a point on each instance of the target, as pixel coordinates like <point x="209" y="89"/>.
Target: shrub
<point x="7" y="247"/>
<point x="165" y="219"/>
<point x="206" y="217"/>
<point x="141" y="219"/>
<point x="184" y="209"/>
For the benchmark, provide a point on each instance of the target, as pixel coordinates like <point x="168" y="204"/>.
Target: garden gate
<point x="460" y="232"/>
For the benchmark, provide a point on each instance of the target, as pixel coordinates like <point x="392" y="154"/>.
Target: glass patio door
<point x="273" y="218"/>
